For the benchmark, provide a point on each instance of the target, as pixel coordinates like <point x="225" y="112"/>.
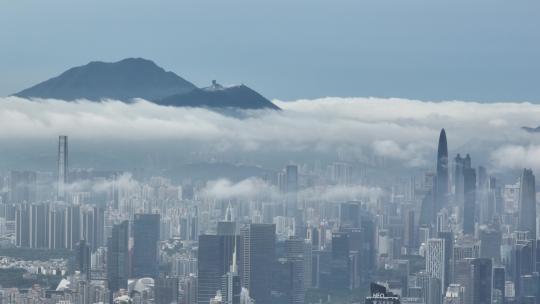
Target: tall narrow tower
<point x="118" y="257"/>
<point x="441" y="185"/>
<point x="62" y="166"/>
<point x="292" y="190"/>
<point x="527" y="204"/>
<point x="469" y="204"/>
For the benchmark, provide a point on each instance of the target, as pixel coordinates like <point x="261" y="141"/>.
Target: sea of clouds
<point x="397" y="129"/>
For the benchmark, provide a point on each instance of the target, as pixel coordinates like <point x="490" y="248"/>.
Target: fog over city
<point x="270" y="152"/>
<point x="311" y="178"/>
<point x="397" y="129"/>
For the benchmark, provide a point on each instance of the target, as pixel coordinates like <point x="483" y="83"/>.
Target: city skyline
<point x="283" y="152"/>
<point x="452" y="243"/>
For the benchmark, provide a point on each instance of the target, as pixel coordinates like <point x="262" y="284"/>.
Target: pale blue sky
<point x="485" y="50"/>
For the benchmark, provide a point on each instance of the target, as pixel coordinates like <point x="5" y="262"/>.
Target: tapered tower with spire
<point x="441" y="184"/>
<point x="228" y="225"/>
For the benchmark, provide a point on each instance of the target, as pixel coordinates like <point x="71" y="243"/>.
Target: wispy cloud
<point x="123" y="182"/>
<point x="248" y="189"/>
<point x="256" y="189"/>
<point x="517" y="157"/>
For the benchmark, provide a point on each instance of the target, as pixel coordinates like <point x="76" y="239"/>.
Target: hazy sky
<point x="483" y="50"/>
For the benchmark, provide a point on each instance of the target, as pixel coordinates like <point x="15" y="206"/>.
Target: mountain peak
<point x="139" y="61"/>
<point x="123" y="80"/>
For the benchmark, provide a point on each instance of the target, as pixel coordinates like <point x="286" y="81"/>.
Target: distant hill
<point x="217" y="96"/>
<point x="531" y="130"/>
<point x="141" y="78"/>
<point x="123" y="80"/>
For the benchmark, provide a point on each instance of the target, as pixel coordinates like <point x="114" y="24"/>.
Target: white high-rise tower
<point x="435" y="260"/>
<point x="62" y="167"/>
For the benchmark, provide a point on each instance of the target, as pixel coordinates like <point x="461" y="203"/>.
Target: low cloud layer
<point x="123" y="182"/>
<point x="256" y="189"/>
<point x="248" y="189"/>
<point x="340" y="193"/>
<point x="402" y="130"/>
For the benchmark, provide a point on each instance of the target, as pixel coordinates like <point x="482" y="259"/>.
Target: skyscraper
<point x="368" y="248"/>
<point x="291" y="172"/>
<point x="523" y="263"/>
<point x="469" y="207"/>
<point x="349" y="214"/>
<point x="166" y="290"/>
<point x="145" y="245"/>
<point x="32" y="224"/>
<point x="302" y="249"/>
<point x="297" y="265"/>
<point x="22" y="220"/>
<point x="482" y="196"/>
<point x="460" y="163"/>
<point x="258" y="250"/>
<point x="430" y="286"/>
<point x="93" y="223"/>
<point x="82" y="258"/>
<point x="231" y="286"/>
<point x="527" y="204"/>
<point x="436" y="261"/>
<point x="499" y="279"/>
<point x="481" y="278"/>
<point x="340" y="263"/>
<point x="409" y="231"/>
<point x="441" y="186"/>
<point x="62" y="166"/>
<point x="57" y="228"/>
<point x="215" y="255"/>
<point x="118" y="257"/>
<point x="490" y="243"/>
<point x="289" y="281"/>
<point x="427" y="216"/>
<point x="73" y="226"/>
<point x="448" y="249"/>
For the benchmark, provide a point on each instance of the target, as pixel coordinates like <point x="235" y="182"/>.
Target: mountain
<point x="123" y="80"/>
<point x="141" y="78"/>
<point x="531" y="130"/>
<point x="218" y="96"/>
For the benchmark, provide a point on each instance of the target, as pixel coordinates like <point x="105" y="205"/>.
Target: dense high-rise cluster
<point x="452" y="235"/>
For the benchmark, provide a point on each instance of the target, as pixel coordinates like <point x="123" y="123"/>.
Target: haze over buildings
<point x="149" y="239"/>
<point x="161" y="152"/>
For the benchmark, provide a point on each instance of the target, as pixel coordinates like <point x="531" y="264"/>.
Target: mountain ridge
<point x="132" y="78"/>
<point x="218" y="96"/>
